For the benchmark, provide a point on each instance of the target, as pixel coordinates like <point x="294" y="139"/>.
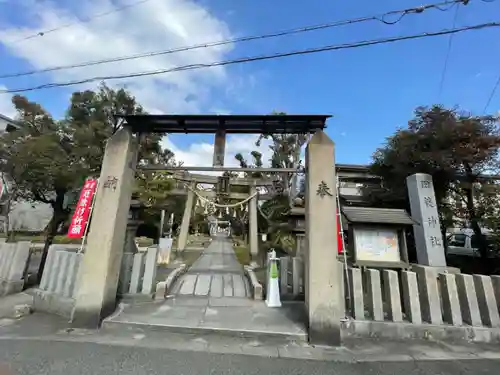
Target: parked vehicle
<point x="464" y="243"/>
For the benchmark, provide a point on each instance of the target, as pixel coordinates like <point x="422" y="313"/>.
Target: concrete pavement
<point x="33" y="357"/>
<point x="212" y="297"/>
<point x="8" y="304"/>
<point x="224" y="316"/>
<point x="50" y="330"/>
<point x="216" y="274"/>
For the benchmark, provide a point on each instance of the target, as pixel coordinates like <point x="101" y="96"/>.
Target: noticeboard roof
<point x="370" y="215"/>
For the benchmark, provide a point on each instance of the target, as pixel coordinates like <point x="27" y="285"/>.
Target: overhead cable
<point x="359" y="44"/>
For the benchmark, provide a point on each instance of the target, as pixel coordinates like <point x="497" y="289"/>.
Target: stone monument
<point x="428" y="237"/>
<point x="99" y="271"/>
<point x="324" y="298"/>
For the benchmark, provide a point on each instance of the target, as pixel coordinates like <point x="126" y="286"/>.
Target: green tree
<point x="48" y="159"/>
<point x="455" y="148"/>
<point x="39" y="160"/>
<point x="273" y="213"/>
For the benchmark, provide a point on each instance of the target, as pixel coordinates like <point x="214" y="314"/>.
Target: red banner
<point x="82" y="210"/>
<point x="340" y="234"/>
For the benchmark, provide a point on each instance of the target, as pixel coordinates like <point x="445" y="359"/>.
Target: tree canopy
<point x="47" y="160"/>
<point x="457" y="149"/>
<point x="273" y="213"/>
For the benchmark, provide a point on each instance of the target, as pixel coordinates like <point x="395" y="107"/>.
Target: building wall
<point x="6" y="121"/>
<point x="3" y="124"/>
<point x="26" y="216"/>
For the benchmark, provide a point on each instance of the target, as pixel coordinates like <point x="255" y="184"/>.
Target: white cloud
<point x="6" y="107"/>
<point x="201" y="154"/>
<point x="152" y="26"/>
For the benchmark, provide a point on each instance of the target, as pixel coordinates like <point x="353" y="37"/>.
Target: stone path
<point x="216" y="274"/>
<point x="213" y="298"/>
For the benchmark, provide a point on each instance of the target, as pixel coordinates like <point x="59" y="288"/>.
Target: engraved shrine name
<point x="111" y="183"/>
<point x="431" y="220"/>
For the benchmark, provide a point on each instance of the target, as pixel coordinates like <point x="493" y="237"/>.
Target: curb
<point x="163" y="287"/>
<point x="408" y="331"/>
<point x="254" y="283"/>
<point x="225" y="332"/>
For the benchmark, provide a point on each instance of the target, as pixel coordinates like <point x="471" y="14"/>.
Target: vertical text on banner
<point x="82" y="210"/>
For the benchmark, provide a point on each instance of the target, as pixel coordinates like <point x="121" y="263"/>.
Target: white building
<point x="6" y="123"/>
<point x="24" y="216"/>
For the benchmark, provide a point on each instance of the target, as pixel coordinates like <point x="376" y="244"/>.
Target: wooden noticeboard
<point x="379" y="247"/>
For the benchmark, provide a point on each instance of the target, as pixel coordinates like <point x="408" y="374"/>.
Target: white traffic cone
<point x="273" y="285"/>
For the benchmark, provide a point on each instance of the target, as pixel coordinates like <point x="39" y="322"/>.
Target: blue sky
<point x="370" y="91"/>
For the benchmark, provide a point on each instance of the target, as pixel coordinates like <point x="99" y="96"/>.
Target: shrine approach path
<point x="215" y="274"/>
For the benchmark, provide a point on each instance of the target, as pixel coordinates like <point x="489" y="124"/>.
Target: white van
<point x="464" y="242"/>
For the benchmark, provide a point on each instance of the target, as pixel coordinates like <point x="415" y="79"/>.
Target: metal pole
<point x="162" y="222"/>
<point x="344" y="250"/>
<point x="171" y="225"/>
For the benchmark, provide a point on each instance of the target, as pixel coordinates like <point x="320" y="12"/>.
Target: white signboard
<point x="377" y="245"/>
<point x="165" y="248"/>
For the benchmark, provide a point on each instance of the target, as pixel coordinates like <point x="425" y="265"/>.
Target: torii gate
<point x="191" y="180"/>
<point x="99" y="273"/>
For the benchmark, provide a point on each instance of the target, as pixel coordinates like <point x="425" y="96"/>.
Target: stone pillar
<point x="95" y="296"/>
<point x="411" y="298"/>
<point x="300" y="245"/>
<point x="428" y="238"/>
<point x="451" y="303"/>
<point x="357" y="296"/>
<point x="324" y="293"/>
<point x="253" y="229"/>
<point x="219" y="148"/>
<point x="486" y="300"/>
<point x="468" y="300"/>
<point x="186" y="219"/>
<point x="374" y="294"/>
<point x="392" y="295"/>
<point x="428" y="291"/>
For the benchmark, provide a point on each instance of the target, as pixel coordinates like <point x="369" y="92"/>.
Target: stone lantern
<point x="297" y="220"/>
<point x="129" y="248"/>
<point x="132" y="225"/>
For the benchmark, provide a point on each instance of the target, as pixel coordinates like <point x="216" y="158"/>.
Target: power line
<point x="492" y="94"/>
<point x="442" y="6"/>
<point x="448" y="52"/>
<point x="364" y="43"/>
<point x="91" y="18"/>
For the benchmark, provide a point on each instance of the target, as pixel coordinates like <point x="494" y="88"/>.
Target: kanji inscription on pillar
<point x="428" y="237"/>
<point x="111" y="183"/>
<point x="323" y="190"/>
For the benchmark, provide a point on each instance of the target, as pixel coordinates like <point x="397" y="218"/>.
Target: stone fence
<point x="56" y="292"/>
<point x="57" y="288"/>
<point x="421" y="303"/>
<point x="291" y="277"/>
<point x="14" y="258"/>
<point x="138" y="273"/>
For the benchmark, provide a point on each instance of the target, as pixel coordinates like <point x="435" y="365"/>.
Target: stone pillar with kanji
<point x="100" y="268"/>
<point x="427" y="231"/>
<point x="324" y="291"/>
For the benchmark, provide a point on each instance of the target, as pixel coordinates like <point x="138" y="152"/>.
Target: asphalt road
<point x="27" y="357"/>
